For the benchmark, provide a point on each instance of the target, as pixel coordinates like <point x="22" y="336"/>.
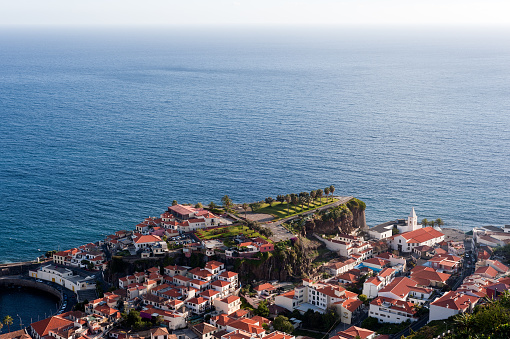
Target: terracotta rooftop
<point x="455" y="300"/>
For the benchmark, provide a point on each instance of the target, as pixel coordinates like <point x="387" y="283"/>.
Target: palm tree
<point x="463" y="321"/>
<point x="308" y="199"/>
<point x="294" y="199"/>
<point x="8" y="322"/>
<point x="302" y="201"/>
<point x="332" y="189"/>
<point x="288" y="199"/>
<point x="319" y="194"/>
<point x="439" y="222"/>
<point x="313" y="194"/>
<point x="245" y="208"/>
<point x="227" y="202"/>
<point x="174" y="202"/>
<point x="424" y="222"/>
<point x="326" y="191"/>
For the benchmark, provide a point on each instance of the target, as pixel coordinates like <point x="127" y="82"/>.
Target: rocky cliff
<point x="301" y="256"/>
<point x="291" y="260"/>
<point x="341" y="219"/>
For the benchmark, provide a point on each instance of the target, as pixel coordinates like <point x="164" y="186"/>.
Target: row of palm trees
<point x="6" y="321"/>
<point x="438" y="222"/>
<point x="294" y="199"/>
<point x="302" y="198"/>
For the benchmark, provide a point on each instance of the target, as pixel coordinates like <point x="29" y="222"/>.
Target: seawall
<point x="31" y="284"/>
<point x="18" y="268"/>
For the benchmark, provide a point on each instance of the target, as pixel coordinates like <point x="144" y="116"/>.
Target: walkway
<point x="281" y="233"/>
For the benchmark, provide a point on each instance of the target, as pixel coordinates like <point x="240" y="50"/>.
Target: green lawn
<point x="228" y="232"/>
<point x="282" y="210"/>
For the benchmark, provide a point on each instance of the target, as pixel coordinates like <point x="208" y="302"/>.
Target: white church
<point x="385" y="230"/>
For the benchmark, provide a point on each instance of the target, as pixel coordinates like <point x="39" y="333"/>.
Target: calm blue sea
<point x="101" y="128"/>
<point x="25" y="306"/>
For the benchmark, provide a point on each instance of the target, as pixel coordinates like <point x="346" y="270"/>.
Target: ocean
<point x="100" y="128"/>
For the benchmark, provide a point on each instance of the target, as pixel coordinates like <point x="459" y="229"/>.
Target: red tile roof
<point x="455" y="300"/>
<point x="399" y="286"/>
<point x="264" y="287"/>
<point x="421" y="235"/>
<point x="487" y="270"/>
<point x="353" y="332"/>
<point x="403" y="306"/>
<point x="50" y="324"/>
<point x="230" y="299"/>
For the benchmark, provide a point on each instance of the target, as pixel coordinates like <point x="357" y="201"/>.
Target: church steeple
<point x="412" y="220"/>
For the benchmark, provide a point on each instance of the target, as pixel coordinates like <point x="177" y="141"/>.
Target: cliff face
<point x="342" y="219"/>
<point x="293" y="260"/>
<point x="290" y="261"/>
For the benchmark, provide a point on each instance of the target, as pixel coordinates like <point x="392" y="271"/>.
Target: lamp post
<point x="20" y="322"/>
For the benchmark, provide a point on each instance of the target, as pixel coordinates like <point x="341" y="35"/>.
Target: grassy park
<point x="227" y="232"/>
<point x="281" y="210"/>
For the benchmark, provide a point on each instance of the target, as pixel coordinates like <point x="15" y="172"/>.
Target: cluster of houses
<point x="320" y="296"/>
<point x="178" y="294"/>
<point x="150" y="237"/>
<point x="86" y="256"/>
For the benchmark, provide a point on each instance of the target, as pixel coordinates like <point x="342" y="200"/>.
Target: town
<point x="198" y="272"/>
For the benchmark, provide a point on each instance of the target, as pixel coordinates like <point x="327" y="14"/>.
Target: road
<point x="281" y="233"/>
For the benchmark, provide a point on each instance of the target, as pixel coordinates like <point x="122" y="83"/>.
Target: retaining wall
<point x="31" y="284"/>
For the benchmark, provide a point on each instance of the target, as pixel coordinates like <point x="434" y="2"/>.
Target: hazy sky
<point x="197" y="12"/>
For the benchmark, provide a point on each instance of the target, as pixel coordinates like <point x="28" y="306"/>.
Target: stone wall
<point x="30" y="284"/>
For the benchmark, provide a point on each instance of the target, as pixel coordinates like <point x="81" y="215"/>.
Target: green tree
<point x="294" y="199"/>
<point x="439" y="222"/>
<point x="262" y="310"/>
<point x="1" y="326"/>
<point x="332" y="189"/>
<point x="245" y="208"/>
<point x="363" y="298"/>
<point x="227" y="202"/>
<point x="174" y="202"/>
<point x="8" y="321"/>
<point x="424" y="222"/>
<point x="282" y="323"/>
<point x="269" y="200"/>
<point x="280" y="198"/>
<point x="326" y="191"/>
<point x="288" y="199"/>
<point x="199" y="205"/>
<point x="132" y="318"/>
<point x="302" y="201"/>
<point x="255" y="206"/>
<point x="313" y="194"/>
<point x="318" y="194"/>
<point x="120" y="306"/>
<point x="212" y="205"/>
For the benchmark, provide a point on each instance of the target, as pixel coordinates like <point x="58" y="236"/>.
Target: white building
<point x="65" y="277"/>
<point x="406" y="242"/>
<point x="451" y="303"/>
<point x="373" y="285"/>
<point x="227" y="305"/>
<point x="319" y="297"/>
<point x="391" y="310"/>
